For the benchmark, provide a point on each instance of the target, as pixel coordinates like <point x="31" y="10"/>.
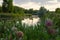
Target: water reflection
<point x="31" y="22"/>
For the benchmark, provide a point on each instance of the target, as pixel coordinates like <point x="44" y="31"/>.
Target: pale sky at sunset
<point x="36" y="4"/>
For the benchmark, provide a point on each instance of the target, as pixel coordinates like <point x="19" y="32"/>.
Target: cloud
<point x="21" y="1"/>
<point x="30" y="5"/>
<point x="36" y="4"/>
<point x="52" y="5"/>
<point x="52" y="2"/>
<point x="58" y="0"/>
<point x="37" y="1"/>
<point x="1" y="2"/>
<point x="40" y="1"/>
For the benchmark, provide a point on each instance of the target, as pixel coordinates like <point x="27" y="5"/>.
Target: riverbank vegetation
<point x="10" y="29"/>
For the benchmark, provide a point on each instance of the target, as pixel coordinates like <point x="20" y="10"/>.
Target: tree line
<point x="7" y="7"/>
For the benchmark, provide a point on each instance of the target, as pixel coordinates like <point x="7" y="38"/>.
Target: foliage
<point x="39" y="32"/>
<point x="30" y="11"/>
<point x="18" y="10"/>
<point x="7" y="6"/>
<point x="0" y="9"/>
<point x="42" y="11"/>
<point x="57" y="10"/>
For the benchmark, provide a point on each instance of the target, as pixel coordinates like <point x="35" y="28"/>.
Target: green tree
<point x="30" y="11"/>
<point x="18" y="10"/>
<point x="57" y="10"/>
<point x="10" y="5"/>
<point x="42" y="11"/>
<point x="7" y="6"/>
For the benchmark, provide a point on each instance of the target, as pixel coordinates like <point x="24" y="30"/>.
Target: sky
<point x="36" y="4"/>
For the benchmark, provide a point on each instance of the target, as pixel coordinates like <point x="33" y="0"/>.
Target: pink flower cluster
<point x="19" y="34"/>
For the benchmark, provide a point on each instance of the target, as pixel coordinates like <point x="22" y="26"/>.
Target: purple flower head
<point x="52" y="31"/>
<point x="48" y="22"/>
<point x="19" y="34"/>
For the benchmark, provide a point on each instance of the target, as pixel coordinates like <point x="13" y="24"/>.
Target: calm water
<point x="31" y="22"/>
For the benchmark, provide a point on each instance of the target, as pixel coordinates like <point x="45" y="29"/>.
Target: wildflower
<point x="52" y="31"/>
<point x="14" y="29"/>
<point x="48" y="22"/>
<point x="19" y="34"/>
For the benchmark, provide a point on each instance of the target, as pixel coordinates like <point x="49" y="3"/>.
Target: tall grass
<point x="39" y="32"/>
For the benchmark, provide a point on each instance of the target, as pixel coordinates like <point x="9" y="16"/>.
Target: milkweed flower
<point x="48" y="22"/>
<point x="52" y="31"/>
<point x="19" y="34"/>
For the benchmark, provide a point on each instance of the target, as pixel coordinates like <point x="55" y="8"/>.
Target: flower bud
<point x="14" y="29"/>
